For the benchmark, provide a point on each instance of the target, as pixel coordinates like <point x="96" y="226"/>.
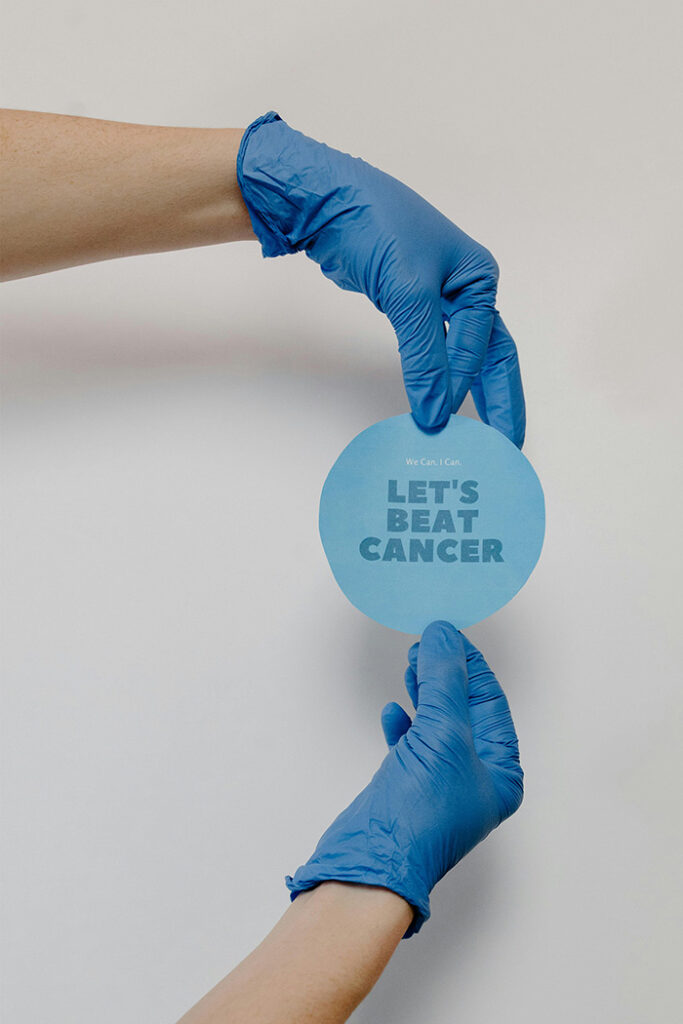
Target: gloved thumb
<point x="395" y="723"/>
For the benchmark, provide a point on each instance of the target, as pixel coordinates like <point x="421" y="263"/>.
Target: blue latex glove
<point x="450" y="777"/>
<point x="369" y="233"/>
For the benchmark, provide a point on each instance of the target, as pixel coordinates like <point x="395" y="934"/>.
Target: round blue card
<point x="418" y="526"/>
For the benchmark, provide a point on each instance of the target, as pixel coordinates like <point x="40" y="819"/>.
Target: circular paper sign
<point x="418" y="527"/>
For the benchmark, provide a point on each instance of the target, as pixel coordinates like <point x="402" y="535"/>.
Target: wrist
<point x="214" y="210"/>
<point x="358" y="906"/>
<point x="346" y="920"/>
<point x="353" y="851"/>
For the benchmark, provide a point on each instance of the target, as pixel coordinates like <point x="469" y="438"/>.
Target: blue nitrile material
<point x="450" y="777"/>
<point x="370" y="233"/>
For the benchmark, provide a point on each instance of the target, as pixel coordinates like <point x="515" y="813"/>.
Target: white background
<point x="189" y="699"/>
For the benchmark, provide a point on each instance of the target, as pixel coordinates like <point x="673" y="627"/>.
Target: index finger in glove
<point x="418" y="323"/>
<point x="468" y="298"/>
<point x="441" y="672"/>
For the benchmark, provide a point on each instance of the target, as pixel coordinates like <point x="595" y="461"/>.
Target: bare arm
<point x="317" y="964"/>
<point x="77" y="190"/>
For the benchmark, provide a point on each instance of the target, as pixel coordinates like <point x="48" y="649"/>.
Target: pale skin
<point x="316" y="965"/>
<point x="76" y="190"/>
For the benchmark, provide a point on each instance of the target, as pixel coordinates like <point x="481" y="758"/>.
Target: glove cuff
<point x="252" y="181"/>
<point x="310" y="875"/>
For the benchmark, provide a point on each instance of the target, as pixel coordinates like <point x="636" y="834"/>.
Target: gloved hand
<point x="450" y="777"/>
<point x="369" y="233"/>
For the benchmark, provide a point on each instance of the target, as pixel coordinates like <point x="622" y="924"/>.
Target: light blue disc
<point x="418" y="526"/>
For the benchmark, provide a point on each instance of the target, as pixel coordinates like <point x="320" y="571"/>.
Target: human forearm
<point x="77" y="190"/>
<point x="317" y="964"/>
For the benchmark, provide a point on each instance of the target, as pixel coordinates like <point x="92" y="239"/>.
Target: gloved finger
<point x="411" y="676"/>
<point x="468" y="302"/>
<point x="466" y="343"/>
<point x="497" y="391"/>
<point x="442" y="673"/>
<point x="495" y="739"/>
<point x="395" y="723"/>
<point x="421" y="336"/>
